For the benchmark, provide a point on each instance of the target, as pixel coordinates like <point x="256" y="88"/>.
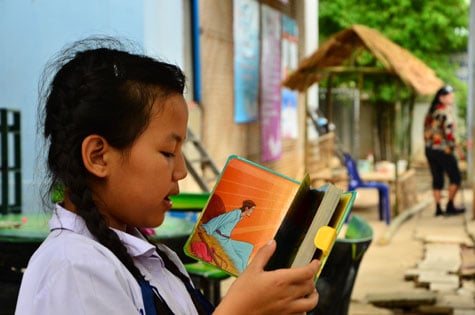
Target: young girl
<point x="115" y="123"/>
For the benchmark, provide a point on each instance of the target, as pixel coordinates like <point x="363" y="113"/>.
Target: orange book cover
<point x="248" y="207"/>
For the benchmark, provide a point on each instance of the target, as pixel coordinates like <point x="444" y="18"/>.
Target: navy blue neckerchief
<point x="148" y="297"/>
<point x="202" y="304"/>
<point x="153" y="301"/>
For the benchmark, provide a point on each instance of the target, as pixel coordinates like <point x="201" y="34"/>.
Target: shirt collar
<point x="133" y="240"/>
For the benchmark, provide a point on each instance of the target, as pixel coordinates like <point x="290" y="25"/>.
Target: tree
<point x="432" y="30"/>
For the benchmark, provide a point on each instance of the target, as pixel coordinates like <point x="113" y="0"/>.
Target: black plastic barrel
<point x="14" y="257"/>
<point x="338" y="275"/>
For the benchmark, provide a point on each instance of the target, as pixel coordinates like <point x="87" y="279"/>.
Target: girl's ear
<point x="94" y="149"/>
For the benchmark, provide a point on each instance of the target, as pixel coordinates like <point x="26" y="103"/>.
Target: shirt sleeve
<point x="84" y="287"/>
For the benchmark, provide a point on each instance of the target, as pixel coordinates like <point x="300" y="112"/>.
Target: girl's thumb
<point x="263" y="255"/>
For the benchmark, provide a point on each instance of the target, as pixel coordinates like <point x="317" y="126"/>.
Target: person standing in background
<point x="440" y="146"/>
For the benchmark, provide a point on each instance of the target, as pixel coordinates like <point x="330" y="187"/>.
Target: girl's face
<point x="137" y="190"/>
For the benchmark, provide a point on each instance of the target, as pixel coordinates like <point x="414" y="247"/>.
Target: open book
<point x="251" y="204"/>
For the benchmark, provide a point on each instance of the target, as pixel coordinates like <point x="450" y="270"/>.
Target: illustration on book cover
<point x="242" y="214"/>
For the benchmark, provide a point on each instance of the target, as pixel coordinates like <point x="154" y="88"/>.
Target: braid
<point x="203" y="306"/>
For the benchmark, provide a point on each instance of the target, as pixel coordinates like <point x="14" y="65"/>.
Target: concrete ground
<point x="402" y="247"/>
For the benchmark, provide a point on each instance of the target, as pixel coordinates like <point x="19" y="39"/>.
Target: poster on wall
<point x="289" y="117"/>
<point x="271" y="76"/>
<point x="246" y="60"/>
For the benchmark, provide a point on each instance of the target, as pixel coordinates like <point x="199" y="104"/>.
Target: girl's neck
<point x="68" y="205"/>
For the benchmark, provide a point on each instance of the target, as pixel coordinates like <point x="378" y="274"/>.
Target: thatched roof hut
<point x="336" y="54"/>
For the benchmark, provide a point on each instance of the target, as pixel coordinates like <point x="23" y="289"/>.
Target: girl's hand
<point x="283" y="291"/>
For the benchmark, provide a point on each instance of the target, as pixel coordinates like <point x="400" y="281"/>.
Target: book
<point x="251" y="204"/>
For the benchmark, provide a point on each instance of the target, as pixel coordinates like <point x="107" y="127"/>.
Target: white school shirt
<point x="71" y="274"/>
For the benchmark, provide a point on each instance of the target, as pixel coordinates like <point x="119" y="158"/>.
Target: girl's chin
<point x="156" y="222"/>
<point x="153" y="222"/>
<point x="155" y="217"/>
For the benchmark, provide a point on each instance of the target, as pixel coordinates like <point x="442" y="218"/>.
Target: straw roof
<point x="339" y="49"/>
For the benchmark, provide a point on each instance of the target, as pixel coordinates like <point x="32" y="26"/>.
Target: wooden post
<point x="471" y="102"/>
<point x="329" y="101"/>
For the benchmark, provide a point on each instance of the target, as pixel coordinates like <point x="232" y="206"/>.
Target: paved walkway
<point x="420" y="260"/>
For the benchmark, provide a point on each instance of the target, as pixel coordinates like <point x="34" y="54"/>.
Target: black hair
<point x="99" y="88"/>
<point x="444" y="90"/>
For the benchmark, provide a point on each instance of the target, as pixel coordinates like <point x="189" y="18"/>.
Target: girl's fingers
<point x="263" y="255"/>
<point x="300" y="274"/>
<point x="307" y="302"/>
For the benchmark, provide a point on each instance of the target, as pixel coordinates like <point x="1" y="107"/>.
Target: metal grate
<point x="10" y="146"/>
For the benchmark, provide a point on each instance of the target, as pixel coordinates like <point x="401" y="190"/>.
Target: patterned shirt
<point x="439" y="129"/>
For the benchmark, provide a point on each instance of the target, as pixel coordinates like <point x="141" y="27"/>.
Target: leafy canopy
<point x="432" y="30"/>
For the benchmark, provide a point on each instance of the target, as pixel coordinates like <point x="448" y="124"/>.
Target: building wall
<point x="32" y="31"/>
<point x="220" y="134"/>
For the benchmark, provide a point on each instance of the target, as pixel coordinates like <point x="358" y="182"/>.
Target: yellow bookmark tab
<point x="324" y="239"/>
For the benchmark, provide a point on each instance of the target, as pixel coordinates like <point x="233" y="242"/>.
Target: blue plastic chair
<point x="355" y="181"/>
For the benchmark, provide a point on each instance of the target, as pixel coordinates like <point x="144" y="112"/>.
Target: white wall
<point x="164" y="29"/>
<point x="310" y="46"/>
<point x="417" y="134"/>
<point x="32" y="31"/>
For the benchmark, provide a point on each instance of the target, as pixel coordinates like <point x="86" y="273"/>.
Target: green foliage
<point x="57" y="195"/>
<point x="431" y="30"/>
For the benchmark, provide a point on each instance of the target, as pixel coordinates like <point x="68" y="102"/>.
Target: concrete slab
<point x="357" y="308"/>
<point x="397" y="264"/>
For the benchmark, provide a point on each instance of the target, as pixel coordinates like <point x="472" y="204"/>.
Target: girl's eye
<point x="168" y="154"/>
